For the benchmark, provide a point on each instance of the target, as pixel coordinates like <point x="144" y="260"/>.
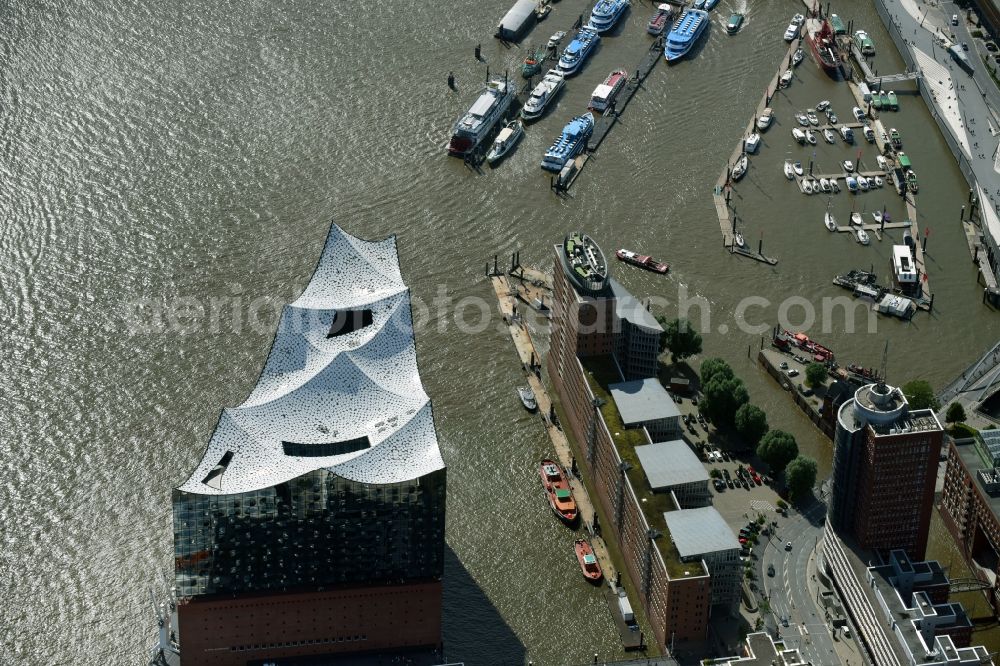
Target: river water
<point x="192" y="154"/>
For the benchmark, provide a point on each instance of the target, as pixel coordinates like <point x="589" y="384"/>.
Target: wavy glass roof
<point x="346" y="397"/>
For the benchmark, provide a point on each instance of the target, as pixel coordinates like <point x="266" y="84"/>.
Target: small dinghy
<point x="848" y="166"/>
<point x="877" y="216"/>
<point x="798" y="168"/>
<point x="740" y="242"/>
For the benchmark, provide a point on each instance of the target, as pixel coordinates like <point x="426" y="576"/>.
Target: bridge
<point x="968" y="585"/>
<point x="872" y="78"/>
<point x="977" y="382"/>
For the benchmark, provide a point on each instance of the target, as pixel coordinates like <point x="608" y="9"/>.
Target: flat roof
<point x="643" y="400"/>
<point x="697" y="532"/>
<point x="629" y="308"/>
<point x="669" y="464"/>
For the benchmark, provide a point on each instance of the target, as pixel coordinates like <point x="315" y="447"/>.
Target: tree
<point x="920" y="395"/>
<point x="715" y="366"/>
<point x="751" y="423"/>
<point x="721" y="398"/>
<point x="800" y="476"/>
<point x="815" y="374"/>
<point x="681" y="339"/>
<point x="955" y="413"/>
<point x="777" y="449"/>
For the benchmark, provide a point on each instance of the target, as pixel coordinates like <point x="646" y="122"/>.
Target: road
<point x="789" y="591"/>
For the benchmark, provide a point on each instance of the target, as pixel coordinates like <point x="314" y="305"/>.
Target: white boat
<point x="555" y="39"/>
<point x="883" y="164"/>
<point x="505" y="141"/>
<point x="543" y="93"/>
<point x="829" y="221"/>
<point x="856" y="219"/>
<point x="824" y="184"/>
<point x="811" y="137"/>
<point x="765" y="120"/>
<point x="798" y="19"/>
<point x="829" y="135"/>
<point x="807" y="186"/>
<point x="752" y="143"/>
<point x="831" y="116"/>
<point x="852" y="184"/>
<point x="869" y="134"/>
<point x="878" y="181"/>
<point x="740" y="168"/>
<point x="791" y="32"/>
<point x="834" y="185"/>
<point x="848" y="166"/>
<point x="789" y="172"/>
<point x="797" y="57"/>
<point x="823" y="106"/>
<point x="802" y="119"/>
<point x="786" y="79"/>
<point x="798" y="135"/>
<point x="811" y="116"/>
<point x="847" y="134"/>
<point x="859" y="113"/>
<point x="862" y="236"/>
<point x="738" y="237"/>
<point x="863" y="183"/>
<point x="797" y="166"/>
<point x="877" y="216"/>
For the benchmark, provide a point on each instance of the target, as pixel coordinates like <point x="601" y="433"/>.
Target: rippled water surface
<point x="164" y="150"/>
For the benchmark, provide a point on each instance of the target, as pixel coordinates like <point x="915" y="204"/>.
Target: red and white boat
<point x="558" y="492"/>
<point x="588" y="561"/>
<point x="660" y="19"/>
<point x="823" y="44"/>
<point x="642" y="261"/>
<point x="605" y="93"/>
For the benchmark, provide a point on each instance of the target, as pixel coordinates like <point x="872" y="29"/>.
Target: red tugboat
<point x="588" y="561"/>
<point x="786" y="341"/>
<point x="558" y="492"/>
<point x="823" y="44"/>
<point x="642" y="261"/>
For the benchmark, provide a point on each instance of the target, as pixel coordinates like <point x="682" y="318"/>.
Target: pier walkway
<point x="975" y="384"/>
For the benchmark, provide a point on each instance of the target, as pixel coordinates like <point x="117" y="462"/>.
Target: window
<point x="349" y="321"/>
<point x="325" y="448"/>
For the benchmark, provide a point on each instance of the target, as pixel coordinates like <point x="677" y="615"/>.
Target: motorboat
<point x="847" y="134"/>
<point x="570" y="143"/>
<point x="883" y="164"/>
<point x="740" y="168"/>
<point x="869" y="133"/>
<point x="505" y="141"/>
<point x="604" y="94"/>
<point x="606" y="13"/>
<point x="589" y="565"/>
<point x="797" y="167"/>
<point x="811" y="117"/>
<point x="698" y="4"/>
<point x="739" y="240"/>
<point x="765" y="119"/>
<point x="911" y="181"/>
<point x="877" y="216"/>
<point x="791" y="32"/>
<point x="862" y="236"/>
<point x="528" y="398"/>
<point x="532" y="64"/>
<point x="895" y="139"/>
<point x="478" y="122"/>
<point x="798" y="57"/>
<point x="660" y="19"/>
<point x="864" y="43"/>
<point x="823" y="106"/>
<point x="859" y="113"/>
<point x="558" y="491"/>
<point x="856" y="219"/>
<point x="802" y="119"/>
<point x="542" y="9"/>
<point x="863" y="183"/>
<point x="830" y="221"/>
<point x="555" y="39"/>
<point x="710" y="5"/>
<point x="893" y="101"/>
<point x="685" y="33"/>
<point x="829" y="135"/>
<point x="879" y="182"/>
<point x="798" y="19"/>
<point x="825" y="186"/>
<point x="876" y="101"/>
<point x="786" y="79"/>
<point x="883" y="100"/>
<point x="852" y="184"/>
<point x="789" y="171"/>
<point x="799" y="135"/>
<point x="543" y="93"/>
<point x="807" y="186"/>
<point x="574" y="55"/>
<point x="752" y="143"/>
<point x="832" y="117"/>
<point x="735" y="23"/>
<point x="811" y="137"/>
<point x="838" y="25"/>
<point x="835" y="186"/>
<point x="848" y="165"/>
<point x="642" y="261"/>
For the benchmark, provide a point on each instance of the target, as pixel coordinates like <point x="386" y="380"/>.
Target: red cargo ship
<point x="642" y="261"/>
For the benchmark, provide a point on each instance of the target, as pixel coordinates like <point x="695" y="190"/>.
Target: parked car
<point x="954" y="19"/>
<point x="770" y="570"/>
<point x="991" y="47"/>
<point x="784" y="365"/>
<point x="729" y="482"/>
<point x="965" y="47"/>
<point x="788" y="545"/>
<point x="793" y="373"/>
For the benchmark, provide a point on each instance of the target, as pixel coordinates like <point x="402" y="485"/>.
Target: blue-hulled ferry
<point x="606" y="13"/>
<point x="578" y="50"/>
<point x="685" y="33"/>
<point x="570" y="143"/>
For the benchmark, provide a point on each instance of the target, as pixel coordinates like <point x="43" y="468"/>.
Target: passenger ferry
<point x="569" y="144"/>
<point x="476" y="124"/>
<point x="685" y="33"/>
<point x="578" y="50"/>
<point x="543" y="93"/>
<point x="606" y="13"/>
<point x="605" y="94"/>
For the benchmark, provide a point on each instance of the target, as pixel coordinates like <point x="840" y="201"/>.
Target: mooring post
<point x="478" y="51"/>
<point x="760" y="246"/>
<point x="495" y="270"/>
<point x="961" y="215"/>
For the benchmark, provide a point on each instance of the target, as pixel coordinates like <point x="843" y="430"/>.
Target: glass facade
<point x="315" y="530"/>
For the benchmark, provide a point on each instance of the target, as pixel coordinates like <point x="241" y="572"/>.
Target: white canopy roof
<point x="325" y="391"/>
